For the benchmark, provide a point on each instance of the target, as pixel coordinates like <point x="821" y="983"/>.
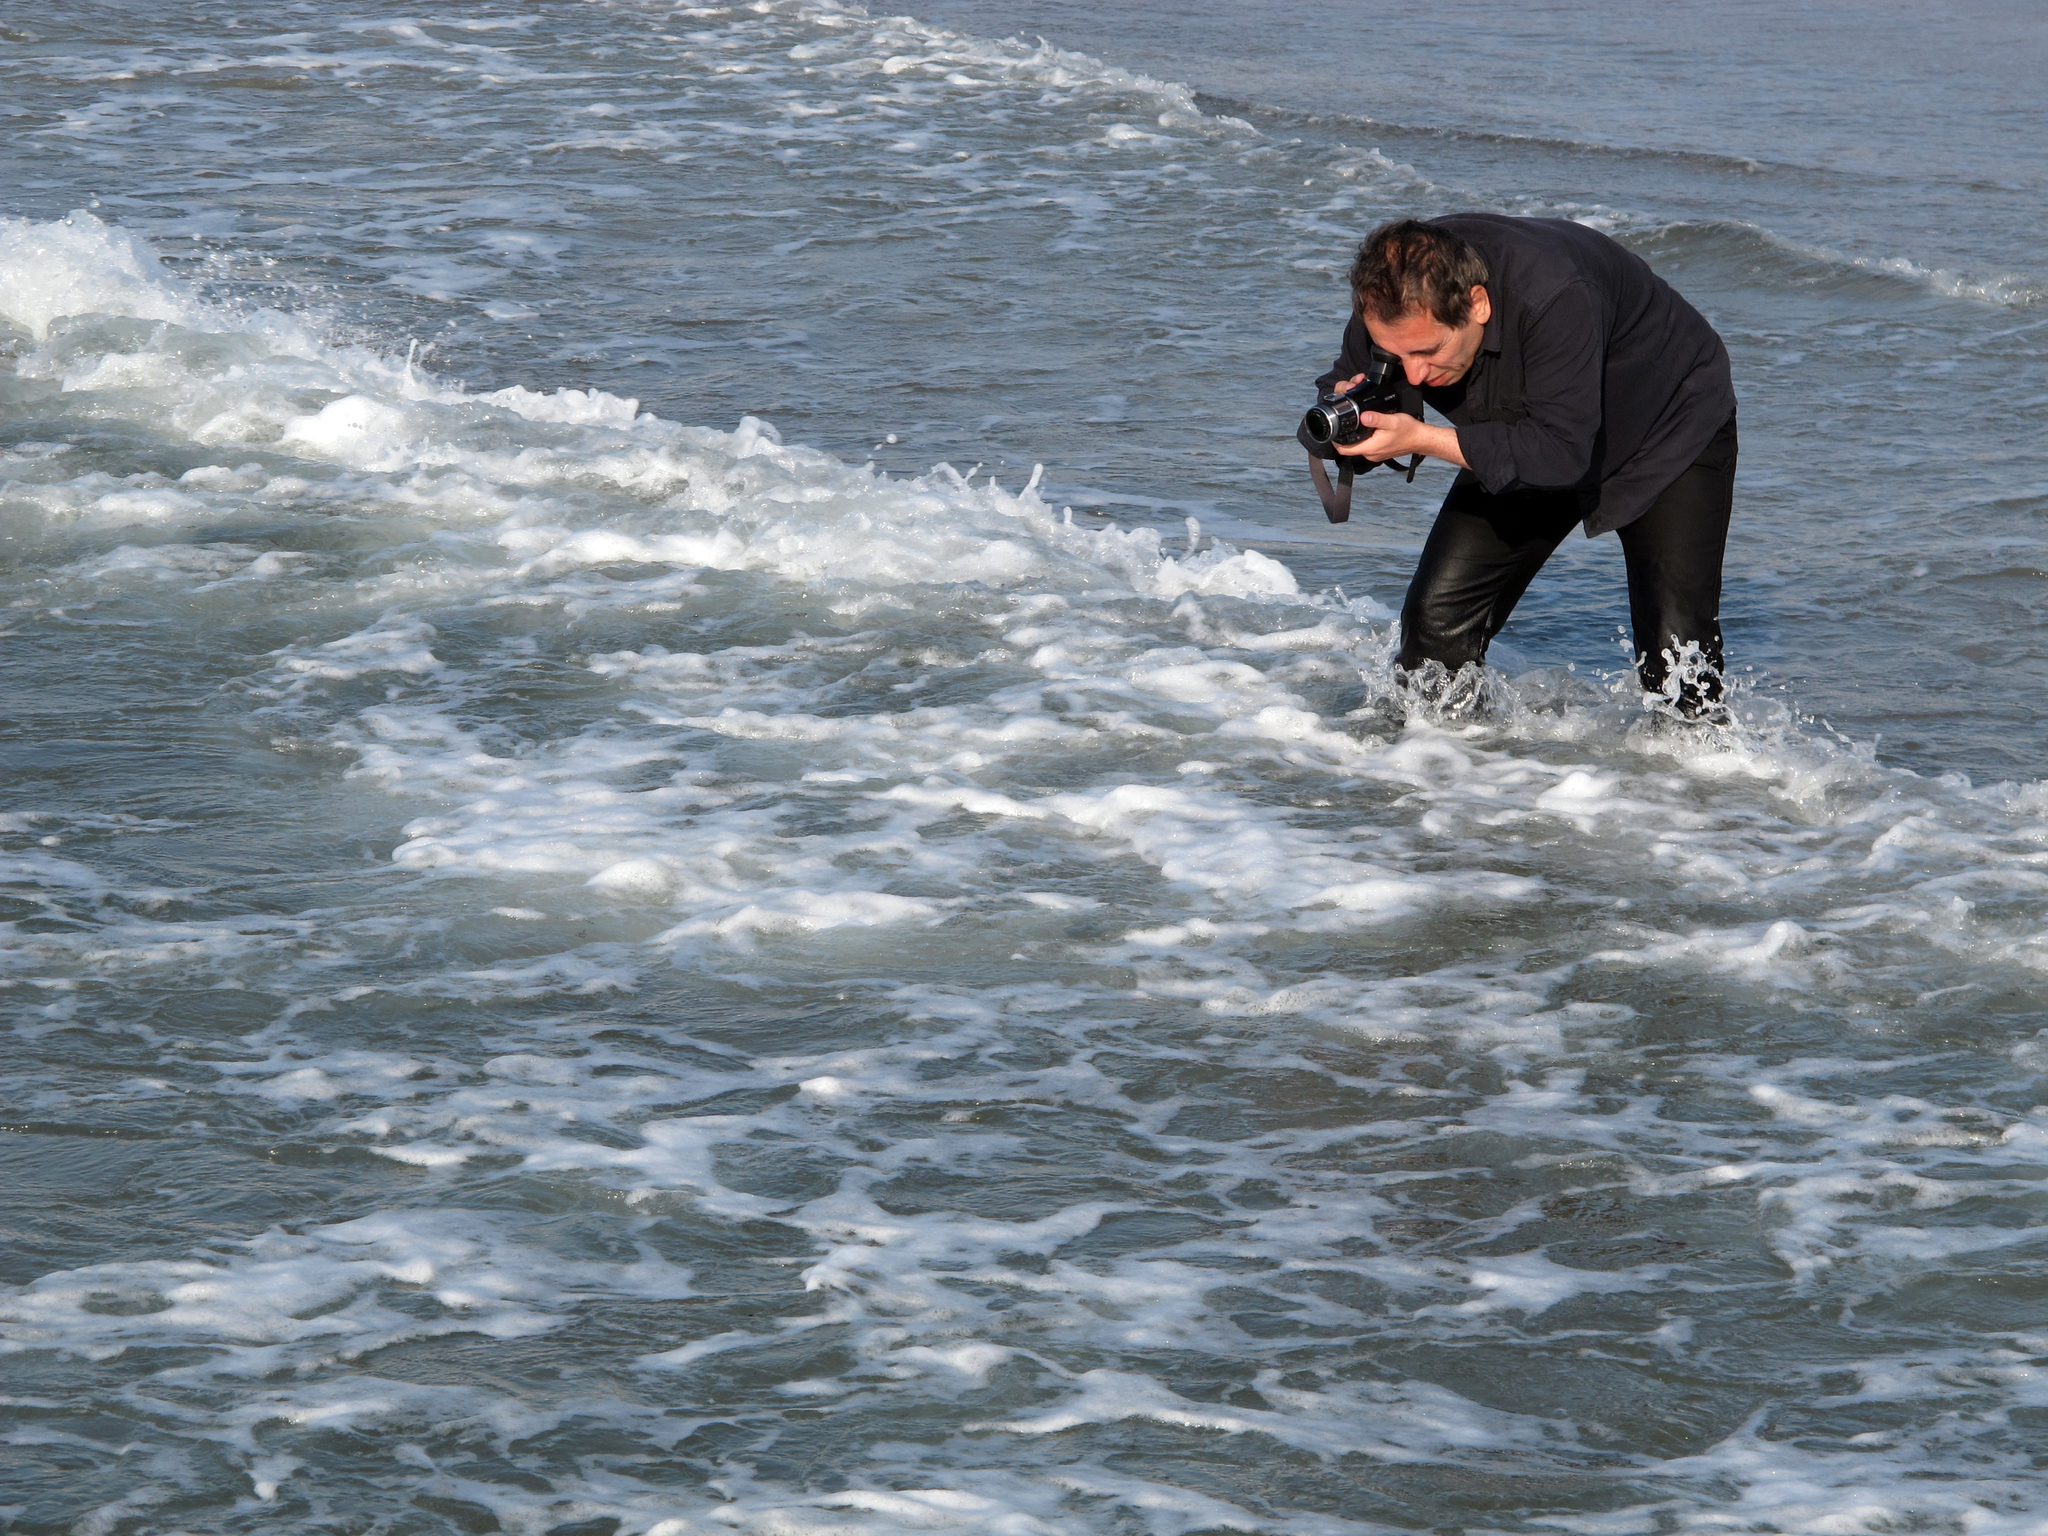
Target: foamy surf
<point x="584" y="966"/>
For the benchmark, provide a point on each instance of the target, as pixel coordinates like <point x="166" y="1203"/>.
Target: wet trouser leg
<point x="1485" y="550"/>
<point x="1480" y="558"/>
<point x="1674" y="553"/>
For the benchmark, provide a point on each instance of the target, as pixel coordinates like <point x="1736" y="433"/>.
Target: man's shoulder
<point x="1530" y="261"/>
<point x="1523" y="232"/>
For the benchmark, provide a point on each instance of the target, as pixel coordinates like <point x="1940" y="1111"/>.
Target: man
<point x="1580" y="389"/>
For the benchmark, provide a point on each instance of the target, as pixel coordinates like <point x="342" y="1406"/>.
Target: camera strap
<point x="1336" y="495"/>
<point x="1336" y="498"/>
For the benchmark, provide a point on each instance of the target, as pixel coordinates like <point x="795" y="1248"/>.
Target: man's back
<point x="1660" y="389"/>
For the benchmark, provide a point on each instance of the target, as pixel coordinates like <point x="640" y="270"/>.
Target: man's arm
<point x="1564" y="351"/>
<point x="1396" y="437"/>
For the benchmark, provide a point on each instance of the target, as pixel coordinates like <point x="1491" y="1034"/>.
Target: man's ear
<point x="1482" y="304"/>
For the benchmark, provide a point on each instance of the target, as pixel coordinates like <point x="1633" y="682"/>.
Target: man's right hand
<point x="1393" y="435"/>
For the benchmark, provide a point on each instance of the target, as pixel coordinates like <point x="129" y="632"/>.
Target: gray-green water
<point x="598" y="943"/>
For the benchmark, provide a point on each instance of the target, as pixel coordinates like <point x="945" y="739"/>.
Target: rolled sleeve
<point x="1484" y="445"/>
<point x="1564" y="347"/>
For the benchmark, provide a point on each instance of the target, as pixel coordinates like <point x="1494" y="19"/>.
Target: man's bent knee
<point x="1433" y="629"/>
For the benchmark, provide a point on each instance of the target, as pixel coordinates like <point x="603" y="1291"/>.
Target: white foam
<point x="178" y="562"/>
<point x="1101" y="789"/>
<point x="81" y="266"/>
<point x="897" y="45"/>
<point x="247" y="1306"/>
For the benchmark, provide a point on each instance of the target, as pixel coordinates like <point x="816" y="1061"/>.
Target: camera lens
<point x="1318" y="425"/>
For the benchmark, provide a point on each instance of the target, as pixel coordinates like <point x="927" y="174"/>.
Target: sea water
<point x="701" y="835"/>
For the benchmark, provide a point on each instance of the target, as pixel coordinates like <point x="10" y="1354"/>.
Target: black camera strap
<point x="1336" y="498"/>
<point x="1336" y="495"/>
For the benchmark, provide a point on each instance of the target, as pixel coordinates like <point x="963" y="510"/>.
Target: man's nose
<point x="1416" y="370"/>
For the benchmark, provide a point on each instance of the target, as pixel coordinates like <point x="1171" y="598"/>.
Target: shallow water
<point x="655" y="884"/>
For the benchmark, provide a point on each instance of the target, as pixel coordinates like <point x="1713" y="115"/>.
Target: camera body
<point x="1334" y="417"/>
<point x="1333" y="421"/>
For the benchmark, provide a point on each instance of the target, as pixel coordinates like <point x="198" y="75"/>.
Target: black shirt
<point x="1593" y="375"/>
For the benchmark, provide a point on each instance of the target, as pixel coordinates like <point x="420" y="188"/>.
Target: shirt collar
<point x="1489" y="338"/>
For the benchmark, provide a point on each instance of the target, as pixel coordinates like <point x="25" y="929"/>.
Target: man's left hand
<point x="1396" y="435"/>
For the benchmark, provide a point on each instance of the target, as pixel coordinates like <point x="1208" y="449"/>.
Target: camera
<point x="1334" y="417"/>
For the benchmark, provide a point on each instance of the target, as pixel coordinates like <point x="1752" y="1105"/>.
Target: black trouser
<point x="1485" y="550"/>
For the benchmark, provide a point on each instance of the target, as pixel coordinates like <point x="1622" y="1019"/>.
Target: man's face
<point x="1431" y="352"/>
